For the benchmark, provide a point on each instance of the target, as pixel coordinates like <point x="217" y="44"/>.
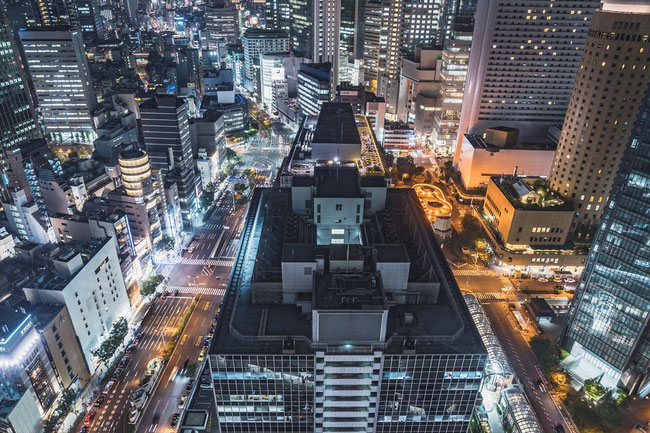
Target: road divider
<point x="171" y="345"/>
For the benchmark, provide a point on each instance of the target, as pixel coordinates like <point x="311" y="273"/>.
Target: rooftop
<point x="438" y="323"/>
<point x="530" y="193"/>
<point x="336" y="124"/>
<point x="545" y="143"/>
<point x="336" y="181"/>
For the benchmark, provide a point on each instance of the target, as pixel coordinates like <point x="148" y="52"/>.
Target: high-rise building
<point x="277" y="15"/>
<point x="523" y="64"/>
<point x="257" y="42"/>
<point x="221" y="24"/>
<point x="146" y="188"/>
<point x="607" y="331"/>
<point x="279" y="77"/>
<point x="166" y="133"/>
<point x="455" y="60"/>
<point x="314" y="87"/>
<point x="16" y="112"/>
<point x="301" y="30"/>
<point x="607" y="95"/>
<point x="86" y="278"/>
<point x="131" y="11"/>
<point x="59" y="70"/>
<point x="90" y="20"/>
<point x="26" y="218"/>
<point x="404" y="26"/>
<point x="340" y="334"/>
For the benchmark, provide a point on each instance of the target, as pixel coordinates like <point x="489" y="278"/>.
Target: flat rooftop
<point x="336" y="124"/>
<point x="336" y="181"/>
<point x="544" y="143"/>
<point x="531" y="193"/>
<point x="443" y="325"/>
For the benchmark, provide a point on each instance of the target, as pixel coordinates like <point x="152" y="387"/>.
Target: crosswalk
<point x="193" y="290"/>
<point x="472" y="273"/>
<point x="211" y="262"/>
<point x="490" y="296"/>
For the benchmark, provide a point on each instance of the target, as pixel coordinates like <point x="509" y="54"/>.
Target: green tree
<point x="166" y="243"/>
<point x="207" y="198"/>
<point x="149" y="285"/>
<point x="116" y="336"/>
<point x="67" y="400"/>
<point x="545" y="352"/>
<point x="230" y="154"/>
<point x="240" y="187"/>
<point x="594" y="389"/>
<point x="405" y="165"/>
<point x="49" y="425"/>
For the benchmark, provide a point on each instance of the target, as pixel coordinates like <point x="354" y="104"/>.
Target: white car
<point x="569" y="280"/>
<point x="206" y="385"/>
<point x="542" y="280"/>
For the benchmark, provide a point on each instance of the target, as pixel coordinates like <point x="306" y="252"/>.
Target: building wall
<point x="338" y="211"/>
<point x="60" y="337"/>
<point x="476" y="166"/>
<point x="520" y="228"/>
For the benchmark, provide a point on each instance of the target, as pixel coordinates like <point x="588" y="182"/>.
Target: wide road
<point x="525" y="364"/>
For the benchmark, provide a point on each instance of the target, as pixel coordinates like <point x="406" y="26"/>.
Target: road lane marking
<point x="183" y="339"/>
<point x="207" y="305"/>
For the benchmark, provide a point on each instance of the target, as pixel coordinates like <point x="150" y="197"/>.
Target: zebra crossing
<point x="210" y="262"/>
<point x="490" y="296"/>
<point x="472" y="273"/>
<point x="193" y="290"/>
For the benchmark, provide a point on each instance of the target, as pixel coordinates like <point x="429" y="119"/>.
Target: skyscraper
<point x="90" y="20"/>
<point x="166" y="134"/>
<point x="257" y="42"/>
<point x="607" y="95"/>
<point x="320" y="332"/>
<point x="59" y="70"/>
<point x="17" y="121"/>
<point x="221" y="24"/>
<point x="523" y="63"/>
<point x="607" y="330"/>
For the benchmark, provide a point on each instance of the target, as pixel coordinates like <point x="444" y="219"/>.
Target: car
<point x="188" y="387"/>
<point x="123" y="361"/>
<point x="206" y="385"/>
<point x="164" y="295"/>
<point x="190" y="250"/>
<point x="139" y="335"/>
<point x="174" y="420"/>
<point x="184" y="368"/>
<point x="99" y="401"/>
<point x="89" y="418"/>
<point x="84" y="429"/>
<point x="117" y="373"/>
<point x="540" y="384"/>
<point x="175" y="292"/>
<point x="640" y="427"/>
<point x="559" y="428"/>
<point x="570" y="280"/>
<point x="129" y="349"/>
<point x="154" y="421"/>
<point x="542" y="280"/>
<point x="108" y="386"/>
<point x="558" y="287"/>
<point x="181" y="402"/>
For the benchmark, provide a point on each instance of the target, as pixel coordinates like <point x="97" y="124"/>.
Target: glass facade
<point x="609" y="314"/>
<point x="428" y="392"/>
<point x="273" y="393"/>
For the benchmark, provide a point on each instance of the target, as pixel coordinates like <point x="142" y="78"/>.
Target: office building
<point x="90" y="20"/>
<point x="607" y="329"/>
<point x="314" y="87"/>
<point x="301" y="27"/>
<point x="30" y="386"/>
<point x="455" y="61"/>
<point x="86" y="278"/>
<point x="7" y="244"/>
<point x="57" y="333"/>
<point x="279" y="73"/>
<point x="208" y="132"/>
<point x="419" y="73"/>
<point x="404" y="26"/>
<point x="606" y="97"/>
<point x="399" y="137"/>
<point x="57" y="63"/>
<point x="26" y="219"/>
<point x="522" y="66"/>
<point x="221" y="24"/>
<point x="366" y="336"/>
<point x="277" y="15"/>
<point x="144" y="186"/>
<point x="166" y="132"/>
<point x="501" y="151"/>
<point x="131" y="11"/>
<point x="16" y="111"/>
<point x="257" y="42"/>
<point x="366" y="103"/>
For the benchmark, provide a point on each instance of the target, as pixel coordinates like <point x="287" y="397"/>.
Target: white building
<point x="59" y="70"/>
<point x="257" y="42"/>
<point x="419" y="73"/>
<point x="279" y="72"/>
<point x="7" y="244"/>
<point x="524" y="60"/>
<point x="399" y="136"/>
<point x="27" y="220"/>
<point x="86" y="278"/>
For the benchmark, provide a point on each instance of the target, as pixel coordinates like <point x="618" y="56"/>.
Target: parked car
<point x="84" y="429"/>
<point x="558" y="287"/>
<point x="542" y="280"/>
<point x="206" y="385"/>
<point x="569" y="280"/>
<point x="174" y="420"/>
<point x="181" y="402"/>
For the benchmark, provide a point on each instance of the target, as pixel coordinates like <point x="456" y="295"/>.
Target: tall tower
<point x="607" y="327"/>
<point x="523" y="64"/>
<point x="608" y="92"/>
<point x="17" y="120"/>
<point x="61" y="77"/>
